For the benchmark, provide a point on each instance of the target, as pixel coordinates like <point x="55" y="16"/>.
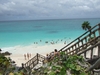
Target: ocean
<point x="23" y="33"/>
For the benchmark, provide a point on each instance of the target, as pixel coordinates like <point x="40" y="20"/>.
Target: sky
<point x="48" y="9"/>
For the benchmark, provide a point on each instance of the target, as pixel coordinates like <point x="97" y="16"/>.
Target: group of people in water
<point x="27" y="56"/>
<point x="65" y="40"/>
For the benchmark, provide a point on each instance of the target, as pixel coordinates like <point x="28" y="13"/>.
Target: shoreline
<point x="36" y="46"/>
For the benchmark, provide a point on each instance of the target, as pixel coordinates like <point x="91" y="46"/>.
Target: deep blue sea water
<point x="14" y="33"/>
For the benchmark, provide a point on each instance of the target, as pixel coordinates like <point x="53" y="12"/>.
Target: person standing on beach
<point x="28" y="55"/>
<point x="25" y="56"/>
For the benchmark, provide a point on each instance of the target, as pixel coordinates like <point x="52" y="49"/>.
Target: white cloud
<point x="49" y="8"/>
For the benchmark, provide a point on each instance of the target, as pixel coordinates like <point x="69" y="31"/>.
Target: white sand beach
<point x="18" y="58"/>
<point x="19" y="51"/>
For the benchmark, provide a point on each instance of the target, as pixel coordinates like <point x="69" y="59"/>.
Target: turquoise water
<point x="14" y="33"/>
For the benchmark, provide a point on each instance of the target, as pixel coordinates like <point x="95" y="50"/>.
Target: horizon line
<point x="47" y="19"/>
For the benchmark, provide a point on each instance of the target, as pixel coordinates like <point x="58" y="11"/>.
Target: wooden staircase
<point x="33" y="62"/>
<point x="84" y="45"/>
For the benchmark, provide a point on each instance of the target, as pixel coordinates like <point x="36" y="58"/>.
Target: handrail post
<point x="37" y="58"/>
<point x="23" y="65"/>
<point x="99" y="47"/>
<point x="78" y="44"/>
<point x="99" y="51"/>
<point x="99" y="29"/>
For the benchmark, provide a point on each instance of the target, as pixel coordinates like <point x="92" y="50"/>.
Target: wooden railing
<point x="34" y="61"/>
<point x="84" y="43"/>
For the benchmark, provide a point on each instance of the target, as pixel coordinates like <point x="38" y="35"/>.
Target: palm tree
<point x="86" y="25"/>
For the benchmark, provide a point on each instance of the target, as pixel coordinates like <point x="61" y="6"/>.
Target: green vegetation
<point x="64" y="65"/>
<point x="7" y="67"/>
<point x="59" y="65"/>
<point x="4" y="64"/>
